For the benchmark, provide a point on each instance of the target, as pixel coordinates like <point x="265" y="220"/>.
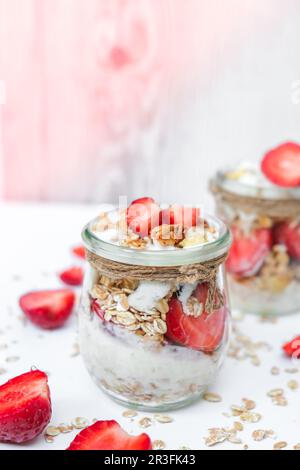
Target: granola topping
<point x="116" y="227"/>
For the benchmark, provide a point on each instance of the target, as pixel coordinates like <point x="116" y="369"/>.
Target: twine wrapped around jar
<point x="273" y="208"/>
<point x="190" y="273"/>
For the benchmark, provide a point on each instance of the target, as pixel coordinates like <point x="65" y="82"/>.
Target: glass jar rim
<point x="140" y="257"/>
<point x="242" y="189"/>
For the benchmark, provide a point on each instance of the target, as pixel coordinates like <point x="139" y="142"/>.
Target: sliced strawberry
<point x="248" y="252"/>
<point x="204" y="333"/>
<point x="176" y="214"/>
<point x="95" y="307"/>
<point x="288" y="234"/>
<point x="48" y="309"/>
<point x="25" y="407"/>
<point x="282" y="165"/>
<point x="143" y="215"/>
<point x="72" y="276"/>
<point x="292" y="348"/>
<point x="79" y="251"/>
<point x="108" y="435"/>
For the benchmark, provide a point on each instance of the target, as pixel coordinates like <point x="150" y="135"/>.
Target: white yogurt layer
<point x="147" y="294"/>
<point x="118" y="360"/>
<point x="247" y="179"/>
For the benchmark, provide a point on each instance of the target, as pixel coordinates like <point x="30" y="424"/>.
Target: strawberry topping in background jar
<point x="262" y="207"/>
<point x="154" y="317"/>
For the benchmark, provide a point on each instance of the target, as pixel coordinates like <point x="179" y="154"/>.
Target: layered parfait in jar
<point x="154" y="315"/>
<point x="261" y="204"/>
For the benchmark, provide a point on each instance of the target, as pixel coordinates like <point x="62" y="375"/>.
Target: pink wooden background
<point x="92" y="88"/>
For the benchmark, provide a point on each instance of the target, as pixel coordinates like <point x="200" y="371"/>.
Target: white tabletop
<point x="35" y="242"/>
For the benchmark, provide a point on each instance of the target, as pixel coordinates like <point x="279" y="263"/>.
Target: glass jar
<point x="264" y="263"/>
<point x="165" y="357"/>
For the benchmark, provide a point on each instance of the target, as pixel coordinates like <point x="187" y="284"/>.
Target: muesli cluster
<point x="152" y="342"/>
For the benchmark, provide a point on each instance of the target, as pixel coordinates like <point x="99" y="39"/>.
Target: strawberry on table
<point x="108" y="435"/>
<point x="72" y="276"/>
<point x="79" y="251"/>
<point x="176" y="214"/>
<point x="292" y="348"/>
<point x="248" y="251"/>
<point x="143" y="215"/>
<point x="288" y="234"/>
<point x="204" y="333"/>
<point x="48" y="309"/>
<point x="25" y="407"/>
<point x="282" y="165"/>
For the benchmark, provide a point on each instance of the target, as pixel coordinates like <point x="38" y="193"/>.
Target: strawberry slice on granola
<point x="282" y="165"/>
<point x="143" y="215"/>
<point x="204" y="333"/>
<point x="108" y="435"/>
<point x="180" y="215"/>
<point x="248" y="251"/>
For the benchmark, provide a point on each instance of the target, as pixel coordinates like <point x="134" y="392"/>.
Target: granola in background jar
<point x="261" y="205"/>
<point x="154" y="317"/>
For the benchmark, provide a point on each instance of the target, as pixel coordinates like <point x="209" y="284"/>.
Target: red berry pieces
<point x="204" y="333"/>
<point x="282" y="165"/>
<point x="248" y="251"/>
<point x="288" y="234"/>
<point x="292" y="348"/>
<point x="143" y="215"/>
<point x="108" y="435"/>
<point x="48" y="309"/>
<point x="25" y="407"/>
<point x="72" y="276"/>
<point x="79" y="251"/>
<point x="95" y="307"/>
<point x="176" y="214"/>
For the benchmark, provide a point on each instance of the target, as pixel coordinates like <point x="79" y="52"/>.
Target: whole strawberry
<point x="25" y="407"/>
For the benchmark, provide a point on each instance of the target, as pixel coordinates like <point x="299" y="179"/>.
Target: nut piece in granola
<point x="167" y="235"/>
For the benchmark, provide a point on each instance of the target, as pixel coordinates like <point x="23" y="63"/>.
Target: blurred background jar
<point x="263" y="266"/>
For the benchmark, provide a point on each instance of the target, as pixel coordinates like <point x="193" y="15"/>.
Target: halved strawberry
<point x="108" y="435"/>
<point x="25" y="407"/>
<point x="292" y="348"/>
<point x="204" y="333"/>
<point x="143" y="215"/>
<point x="288" y="234"/>
<point x="282" y="165"/>
<point x="95" y="307"/>
<point x="176" y="214"/>
<point x="48" y="309"/>
<point x="72" y="276"/>
<point x="248" y="251"/>
<point x="79" y="251"/>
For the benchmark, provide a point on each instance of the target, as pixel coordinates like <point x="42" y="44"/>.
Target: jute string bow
<point x="273" y="208"/>
<point x="205" y="272"/>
